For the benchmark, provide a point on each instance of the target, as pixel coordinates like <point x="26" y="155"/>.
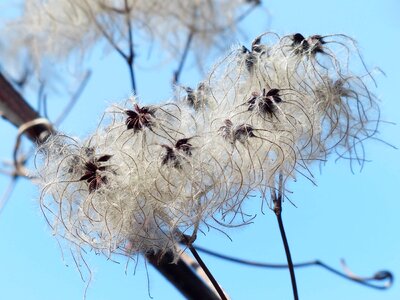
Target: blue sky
<point x="350" y="216"/>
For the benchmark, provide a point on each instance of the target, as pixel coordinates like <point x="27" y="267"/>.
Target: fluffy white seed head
<point x="152" y="172"/>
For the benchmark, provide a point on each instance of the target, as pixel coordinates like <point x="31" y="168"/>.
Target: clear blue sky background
<point x="351" y="216"/>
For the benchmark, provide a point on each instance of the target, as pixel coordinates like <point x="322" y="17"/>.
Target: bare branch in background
<point x="185" y="52"/>
<point x="130" y="56"/>
<point x="7" y="192"/>
<point x="71" y="103"/>
<point x="379" y="276"/>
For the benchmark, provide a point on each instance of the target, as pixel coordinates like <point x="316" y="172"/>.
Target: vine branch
<point x="379" y="276"/>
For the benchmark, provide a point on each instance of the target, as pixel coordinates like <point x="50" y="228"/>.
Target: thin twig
<point x="378" y="276"/>
<point x="189" y="40"/>
<point x="18" y="171"/>
<point x="207" y="271"/>
<point x="277" y="200"/>
<point x="185" y="52"/>
<point x="188" y="241"/>
<point x="8" y="192"/>
<point x="67" y="109"/>
<point x="130" y="58"/>
<point x="288" y="256"/>
<point x="196" y="267"/>
<point x="40" y="101"/>
<point x="241" y="17"/>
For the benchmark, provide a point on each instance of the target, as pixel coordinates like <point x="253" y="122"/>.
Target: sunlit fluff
<point x="150" y="173"/>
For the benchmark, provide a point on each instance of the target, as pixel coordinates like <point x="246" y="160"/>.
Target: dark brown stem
<point x="288" y="257"/>
<point x="182" y="277"/>
<point x="277" y="200"/>
<point x="16" y="110"/>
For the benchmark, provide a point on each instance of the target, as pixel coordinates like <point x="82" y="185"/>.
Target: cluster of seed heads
<point x="262" y="116"/>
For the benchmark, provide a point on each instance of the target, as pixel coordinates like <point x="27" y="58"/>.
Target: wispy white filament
<point x="150" y="172"/>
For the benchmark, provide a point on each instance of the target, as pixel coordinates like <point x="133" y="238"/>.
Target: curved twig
<point x="379" y="276"/>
